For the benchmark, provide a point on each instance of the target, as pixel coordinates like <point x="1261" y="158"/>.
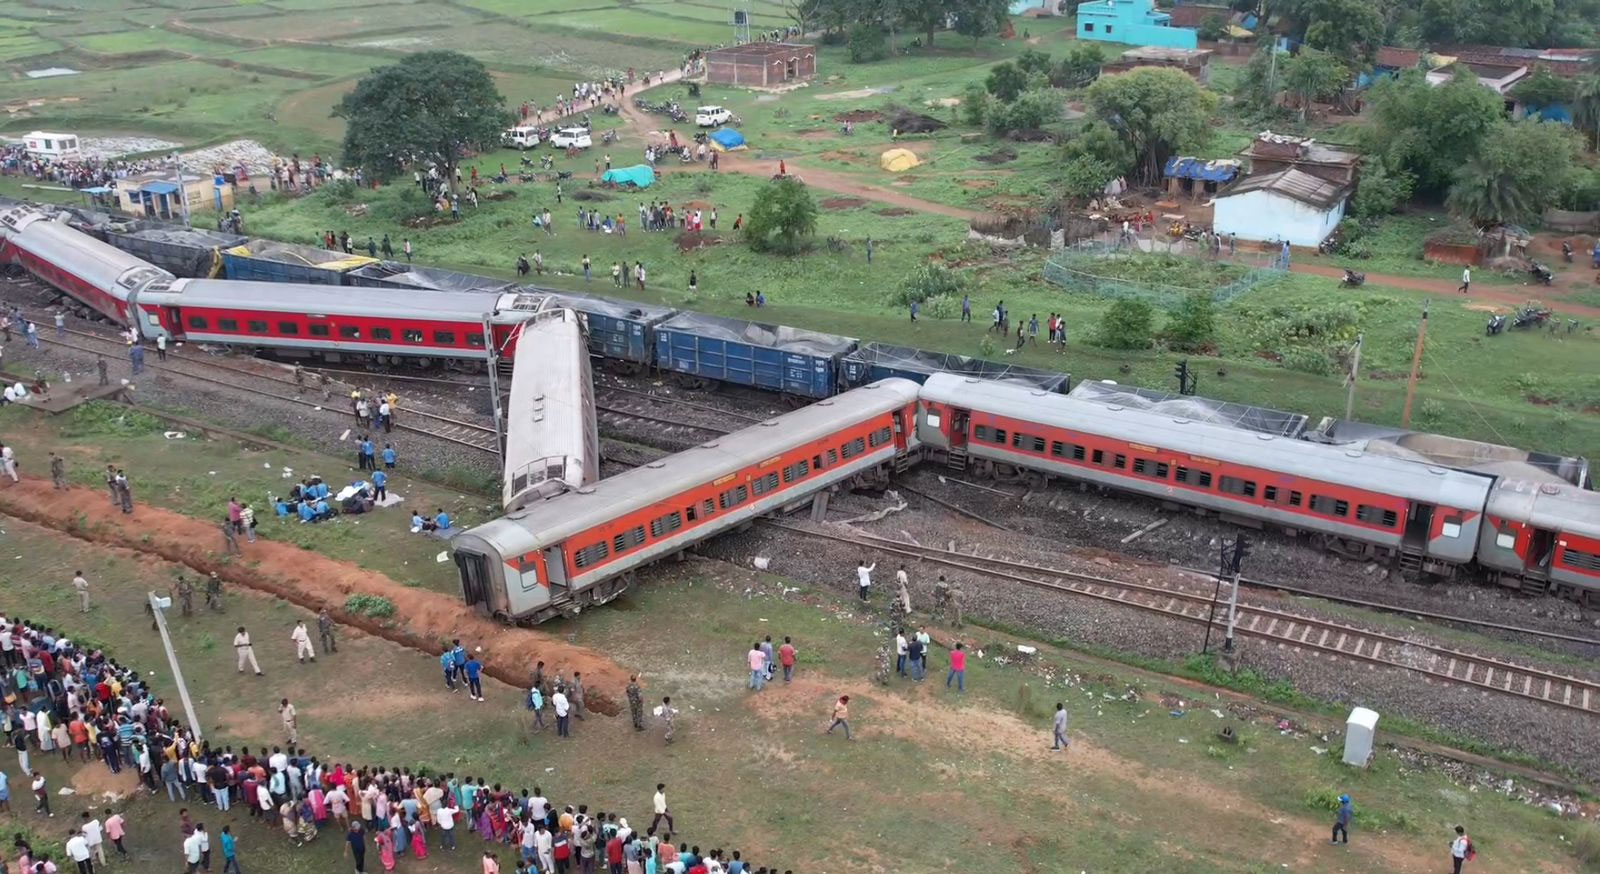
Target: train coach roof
<point x="552" y="521"/>
<point x="429" y="278"/>
<point x="1177" y="434"/>
<point x="296" y="297"/>
<point x="618" y="309"/>
<point x="1249" y="418"/>
<point x="1555" y="507"/>
<point x="923" y="361"/>
<point x="759" y="334"/>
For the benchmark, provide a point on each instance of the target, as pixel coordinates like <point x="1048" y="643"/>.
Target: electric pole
<point x="1416" y="366"/>
<point x="1350" y="381"/>
<point x="1241" y="549"/>
<point x="158" y="606"/>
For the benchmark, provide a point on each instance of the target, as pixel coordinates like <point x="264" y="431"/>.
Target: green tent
<point x="638" y="176"/>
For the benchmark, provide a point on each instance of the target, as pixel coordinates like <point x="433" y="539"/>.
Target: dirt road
<point x="426" y="620"/>
<point x="1509" y="297"/>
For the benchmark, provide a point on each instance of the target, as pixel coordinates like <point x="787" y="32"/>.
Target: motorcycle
<point x="1495" y="326"/>
<point x="1566" y="251"/>
<point x="1352" y="279"/>
<point x="609" y="136"/>
<point x="1531" y="317"/>
<point x="1541" y="274"/>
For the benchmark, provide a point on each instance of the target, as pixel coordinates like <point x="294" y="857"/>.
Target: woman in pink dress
<point x="419" y="846"/>
<point x="385" y="844"/>
<point x="319" y="804"/>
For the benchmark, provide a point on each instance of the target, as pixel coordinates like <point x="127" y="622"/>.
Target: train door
<point x="174" y="323"/>
<point x="555" y="568"/>
<point x="1541" y="549"/>
<point x="474" y="572"/>
<point x="959" y="422"/>
<point x="899" y="430"/>
<point x="1419" y="525"/>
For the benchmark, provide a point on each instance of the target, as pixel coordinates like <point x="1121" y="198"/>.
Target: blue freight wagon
<point x="772" y="357"/>
<point x="622" y="330"/>
<point x="874" y="361"/>
<point x="397" y="274"/>
<point x="190" y="253"/>
<point x="269" y="261"/>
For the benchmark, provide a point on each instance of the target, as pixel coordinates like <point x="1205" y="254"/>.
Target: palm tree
<point x="1485" y="195"/>
<point x="1586" y="105"/>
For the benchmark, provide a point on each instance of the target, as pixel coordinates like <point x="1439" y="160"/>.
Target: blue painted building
<point x="1132" y="21"/>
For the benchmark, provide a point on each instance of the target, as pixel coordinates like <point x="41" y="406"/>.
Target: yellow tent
<point x="898" y="160"/>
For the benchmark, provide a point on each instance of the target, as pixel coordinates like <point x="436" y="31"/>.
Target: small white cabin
<point x="44" y="144"/>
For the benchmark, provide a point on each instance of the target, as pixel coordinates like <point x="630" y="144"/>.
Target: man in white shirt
<point x="544" y="845"/>
<point x="191" y="853"/>
<point x="1460" y="849"/>
<point x="563" y="720"/>
<point x="659" y="804"/>
<point x="864" y="577"/>
<point x="302" y="642"/>
<point x="445" y="816"/>
<point x="900" y="647"/>
<point x="287" y="712"/>
<point x="278" y="761"/>
<point x="78" y="851"/>
<point x="205" y="845"/>
<point x="247" y="653"/>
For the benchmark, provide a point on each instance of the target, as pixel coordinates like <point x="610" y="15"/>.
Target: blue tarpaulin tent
<point x="1222" y="170"/>
<point x="728" y="138"/>
<point x="639" y="176"/>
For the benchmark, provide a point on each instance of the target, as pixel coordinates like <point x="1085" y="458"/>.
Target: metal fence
<point x="1083" y="269"/>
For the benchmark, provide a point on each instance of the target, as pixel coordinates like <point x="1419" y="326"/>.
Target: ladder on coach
<point x="956" y="458"/>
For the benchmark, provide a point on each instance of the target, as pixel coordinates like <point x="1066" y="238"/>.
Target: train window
<point x="733" y="497"/>
<point x="1077" y="452"/>
<point x="1000" y="436"/>
<point x="853" y="448"/>
<point x="628" y="539"/>
<point x="1323" y="504"/>
<point x="382" y="334"/>
<point x="1376" y="516"/>
<point x="288" y="328"/>
<point x="256" y="327"/>
<point x="1057" y="448"/>
<point x="591" y="554"/>
<point x="1235" y="486"/>
<point x="228" y="325"/>
<point x="690" y="512"/>
<point x="707" y="508"/>
<point x="475" y="340"/>
<point x="1037" y="444"/>
<point x="1121" y="462"/>
<point x="1190" y="476"/>
<point x="764" y="484"/>
<point x="1271" y="494"/>
<point x="1147" y="467"/>
<point x="663" y="525"/>
<point x="444" y="338"/>
<point x="197" y="323"/>
<point x="318" y="330"/>
<point x="1341" y="508"/>
<point x="1099" y="457"/>
<point x="1580" y="560"/>
<point x="1294" y="498"/>
<point x="411" y="335"/>
<point x="982" y="432"/>
<point x="833" y="457"/>
<point x="349" y="333"/>
<point x="1452" y="525"/>
<point x="879" y="437"/>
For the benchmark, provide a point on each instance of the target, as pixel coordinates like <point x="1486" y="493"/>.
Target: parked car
<point x="522" y="137"/>
<point x="711" y="116"/>
<point x="571" y="138"/>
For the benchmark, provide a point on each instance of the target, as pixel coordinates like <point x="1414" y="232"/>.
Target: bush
<point x="944" y="306"/>
<point x="974" y="102"/>
<point x="928" y="280"/>
<point x="1213" y="28"/>
<point x="1127" y="324"/>
<point x="1006" y="81"/>
<point x="782" y="219"/>
<point x="1193" y="328"/>
<point x="1586" y="846"/>
<point x="1583" y="194"/>
<point x="1381" y="191"/>
<point x="867" y="43"/>
<point x="1031" y="111"/>
<point x="833" y="37"/>
<point x="339" y="191"/>
<point x="409" y="203"/>
<point x="375" y="606"/>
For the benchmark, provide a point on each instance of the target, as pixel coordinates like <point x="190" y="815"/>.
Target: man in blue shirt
<point x="230" y="857"/>
<point x="380" y="486"/>
<point x="474" y="670"/>
<point x="447" y="661"/>
<point x="364" y="459"/>
<point x="323" y="512"/>
<point x="441" y="521"/>
<point x="388" y="455"/>
<point x="307" y="512"/>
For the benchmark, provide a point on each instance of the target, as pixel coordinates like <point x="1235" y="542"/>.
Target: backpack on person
<point x="1472" y="851"/>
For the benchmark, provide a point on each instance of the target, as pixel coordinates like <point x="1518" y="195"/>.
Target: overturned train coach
<point x="581" y="548"/>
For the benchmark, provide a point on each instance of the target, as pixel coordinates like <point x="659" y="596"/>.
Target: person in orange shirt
<point x="841" y="716"/>
<point x="79" y="733"/>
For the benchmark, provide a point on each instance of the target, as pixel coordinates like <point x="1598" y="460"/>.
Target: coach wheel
<point x="422" y="362"/>
<point x="13" y="271"/>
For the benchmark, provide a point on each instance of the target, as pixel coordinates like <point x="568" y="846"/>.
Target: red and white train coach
<point x="99" y="275"/>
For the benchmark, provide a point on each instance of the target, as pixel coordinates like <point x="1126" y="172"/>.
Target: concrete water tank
<point x="1359" y="731"/>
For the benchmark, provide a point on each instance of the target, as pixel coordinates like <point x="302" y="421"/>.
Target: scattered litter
<point x="267" y="465"/>
<point x="174" y="435"/>
<point x="1183" y="740"/>
<point x="66" y="790"/>
<point x="211" y="473"/>
<point x="761" y="620"/>
<point x="761" y="562"/>
<point x="442" y="557"/>
<point x="549" y="770"/>
<point x="345" y="436"/>
<point x="1176" y="714"/>
<point x="1321" y="751"/>
<point x="1218" y="713"/>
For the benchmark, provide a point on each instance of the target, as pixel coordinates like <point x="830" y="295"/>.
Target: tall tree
<point x="1156" y="112"/>
<point x="979" y="18"/>
<point x="783" y="218"/>
<point x="1351" y="29"/>
<point x="1586" y="106"/>
<point x="1543" y="89"/>
<point x="804" y="13"/>
<point x="1311" y="74"/>
<point x="429" y="107"/>
<point x="1005" y="81"/>
<point x="1501" y="184"/>
<point x="928" y="17"/>
<point x="1429" y="132"/>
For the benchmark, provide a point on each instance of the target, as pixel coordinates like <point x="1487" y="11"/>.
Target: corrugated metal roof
<point x="1294" y="184"/>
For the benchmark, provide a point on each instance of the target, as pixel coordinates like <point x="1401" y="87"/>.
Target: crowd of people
<point x="66" y="700"/>
<point x="73" y="172"/>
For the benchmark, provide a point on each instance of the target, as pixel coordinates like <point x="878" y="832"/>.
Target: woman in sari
<point x="385" y="842"/>
<point x="319" y="804"/>
<point x="419" y="844"/>
<point x="286" y="818"/>
<point x="306" y="827"/>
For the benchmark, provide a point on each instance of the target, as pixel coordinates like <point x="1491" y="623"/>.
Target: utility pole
<point x="183" y="193"/>
<point x="158" y="606"/>
<point x="1241" y="549"/>
<point x="1416" y="366"/>
<point x="494" y="386"/>
<point x="1350" y="381"/>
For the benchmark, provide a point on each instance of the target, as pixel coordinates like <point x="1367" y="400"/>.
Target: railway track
<point x="468" y="434"/>
<point x="1275" y="626"/>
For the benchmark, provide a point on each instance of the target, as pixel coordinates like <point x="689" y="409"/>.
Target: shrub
<point x="782" y="219"/>
<point x="1127" y="324"/>
<point x="1031" y="111"/>
<point x="339" y="191"/>
<point x="974" y="101"/>
<point x="375" y="606"/>
<point x="1586" y="846"/>
<point x="926" y="281"/>
<point x="1193" y="328"/>
<point x="1006" y="81"/>
<point x="867" y="43"/>
<point x="944" y="306"/>
<point x="1213" y="27"/>
<point x="106" y="419"/>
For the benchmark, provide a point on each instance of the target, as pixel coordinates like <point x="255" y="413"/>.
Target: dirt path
<point x="640" y="122"/>
<point x="1508" y="297"/>
<point x="426" y="619"/>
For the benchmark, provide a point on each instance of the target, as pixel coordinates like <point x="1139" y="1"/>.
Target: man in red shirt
<point x="614" y="854"/>
<point x="786" y="654"/>
<point x="958" y="668"/>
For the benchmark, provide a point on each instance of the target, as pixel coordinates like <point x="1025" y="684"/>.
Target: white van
<point x="521" y="137"/>
<point x="711" y="116"/>
<point x="571" y="138"/>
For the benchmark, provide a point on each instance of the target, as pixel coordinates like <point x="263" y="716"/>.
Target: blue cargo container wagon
<point x="623" y="330"/>
<point x="772" y="357"/>
<point x="271" y="261"/>
<point x="875" y="361"/>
